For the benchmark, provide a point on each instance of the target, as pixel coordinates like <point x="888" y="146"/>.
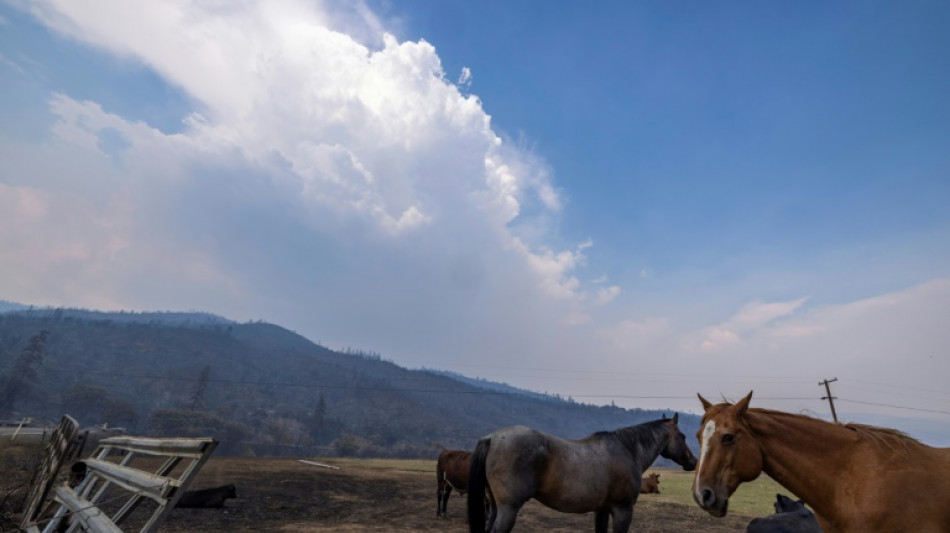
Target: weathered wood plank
<point x="131" y="479"/>
<point x="91" y="517"/>
<point x="189" y="448"/>
<point x="57" y="450"/>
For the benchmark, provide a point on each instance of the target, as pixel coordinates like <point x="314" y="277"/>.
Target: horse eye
<point x="728" y="438"/>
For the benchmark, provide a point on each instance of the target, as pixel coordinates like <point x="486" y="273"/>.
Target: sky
<point x="627" y="202"/>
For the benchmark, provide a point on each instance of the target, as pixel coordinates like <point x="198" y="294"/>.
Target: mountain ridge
<point x="265" y="390"/>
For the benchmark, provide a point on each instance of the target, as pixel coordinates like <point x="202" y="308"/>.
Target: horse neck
<point x="802" y="454"/>
<point x="645" y="442"/>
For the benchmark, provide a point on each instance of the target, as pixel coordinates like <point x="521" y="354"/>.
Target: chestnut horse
<point x="452" y="473"/>
<point x="857" y="478"/>
<point x="600" y="473"/>
<point x="651" y="484"/>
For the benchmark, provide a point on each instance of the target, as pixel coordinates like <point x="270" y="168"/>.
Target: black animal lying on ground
<point x="207" y="498"/>
<point x="790" y="517"/>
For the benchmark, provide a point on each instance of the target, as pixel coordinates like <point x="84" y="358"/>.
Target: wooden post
<point x="830" y="398"/>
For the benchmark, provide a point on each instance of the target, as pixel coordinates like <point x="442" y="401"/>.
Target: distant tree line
<point x="260" y="389"/>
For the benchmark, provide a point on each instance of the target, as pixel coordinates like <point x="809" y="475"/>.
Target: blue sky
<point x="674" y="127"/>
<point x="620" y="201"/>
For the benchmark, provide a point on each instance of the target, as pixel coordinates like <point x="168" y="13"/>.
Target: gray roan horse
<point x="600" y="473"/>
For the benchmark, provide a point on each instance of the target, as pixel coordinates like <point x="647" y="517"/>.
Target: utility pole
<point x="830" y="398"/>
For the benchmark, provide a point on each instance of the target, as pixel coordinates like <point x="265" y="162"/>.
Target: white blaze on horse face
<point x="708" y="431"/>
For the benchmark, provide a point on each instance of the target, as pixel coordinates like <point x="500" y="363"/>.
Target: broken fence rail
<point x="78" y="505"/>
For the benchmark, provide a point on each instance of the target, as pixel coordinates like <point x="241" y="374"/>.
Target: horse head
<point x="784" y="504"/>
<point x="675" y="448"/>
<point x="729" y="454"/>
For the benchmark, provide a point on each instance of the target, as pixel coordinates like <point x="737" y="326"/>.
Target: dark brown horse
<point x="857" y="478"/>
<point x="452" y="473"/>
<point x="600" y="473"/>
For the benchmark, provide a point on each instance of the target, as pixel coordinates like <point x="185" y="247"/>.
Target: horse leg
<point x="491" y="510"/>
<point x="445" y="500"/>
<point x="443" y="495"/>
<point x="623" y="516"/>
<point x="504" y="518"/>
<point x="600" y="521"/>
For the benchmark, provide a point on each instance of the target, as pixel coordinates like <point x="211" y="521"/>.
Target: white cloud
<point x="331" y="179"/>
<point x="752" y="317"/>
<point x="719" y="339"/>
<point x="897" y="338"/>
<point x="607" y="294"/>
<point x="9" y="63"/>
<point x="628" y="334"/>
<point x="313" y="167"/>
<point x="756" y="314"/>
<point x="465" y="78"/>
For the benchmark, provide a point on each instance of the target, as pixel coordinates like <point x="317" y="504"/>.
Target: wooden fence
<point x="109" y="476"/>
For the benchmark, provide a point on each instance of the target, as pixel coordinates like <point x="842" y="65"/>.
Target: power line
<point x="878" y="390"/>
<point x="895" y="406"/>
<point x="795" y="379"/>
<point x="636" y="397"/>
<point x="899" y="386"/>
<point x="475" y="391"/>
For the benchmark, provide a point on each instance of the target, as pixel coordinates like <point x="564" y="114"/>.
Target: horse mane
<point x="642" y="436"/>
<point x="890" y="439"/>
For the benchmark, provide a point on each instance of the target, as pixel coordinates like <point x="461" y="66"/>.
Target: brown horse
<point x="452" y="473"/>
<point x="857" y="478"/>
<point x="600" y="473"/>
<point x="651" y="484"/>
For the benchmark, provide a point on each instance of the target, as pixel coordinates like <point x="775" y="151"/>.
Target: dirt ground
<point x="284" y="495"/>
<point x="287" y="496"/>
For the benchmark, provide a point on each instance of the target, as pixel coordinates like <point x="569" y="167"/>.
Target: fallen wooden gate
<point x="103" y="475"/>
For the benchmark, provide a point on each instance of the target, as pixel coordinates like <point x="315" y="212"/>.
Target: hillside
<point x="259" y="388"/>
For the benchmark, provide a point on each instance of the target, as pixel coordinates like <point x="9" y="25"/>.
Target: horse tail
<point x="477" y="483"/>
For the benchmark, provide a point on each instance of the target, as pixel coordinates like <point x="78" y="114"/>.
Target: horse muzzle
<point x="690" y="465"/>
<point x="711" y="501"/>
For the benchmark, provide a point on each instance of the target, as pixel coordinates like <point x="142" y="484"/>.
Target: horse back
<point x="567" y="475"/>
<point x="453" y="468"/>
<point x="901" y="491"/>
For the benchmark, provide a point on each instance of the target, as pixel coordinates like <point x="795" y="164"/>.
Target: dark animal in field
<point x="784" y="504"/>
<point x="856" y="478"/>
<point x="600" y="473"/>
<point x="650" y="484"/>
<point x="206" y="498"/>
<point x="452" y="473"/>
<point x="790" y="517"/>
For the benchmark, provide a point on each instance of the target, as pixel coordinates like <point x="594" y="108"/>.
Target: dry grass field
<point x="284" y="495"/>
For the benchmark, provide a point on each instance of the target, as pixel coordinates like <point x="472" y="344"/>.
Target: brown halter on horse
<point x="857" y="478"/>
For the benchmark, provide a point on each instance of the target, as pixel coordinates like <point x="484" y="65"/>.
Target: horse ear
<point x="743" y="404"/>
<point x="676" y="418"/>
<point x="704" y="401"/>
